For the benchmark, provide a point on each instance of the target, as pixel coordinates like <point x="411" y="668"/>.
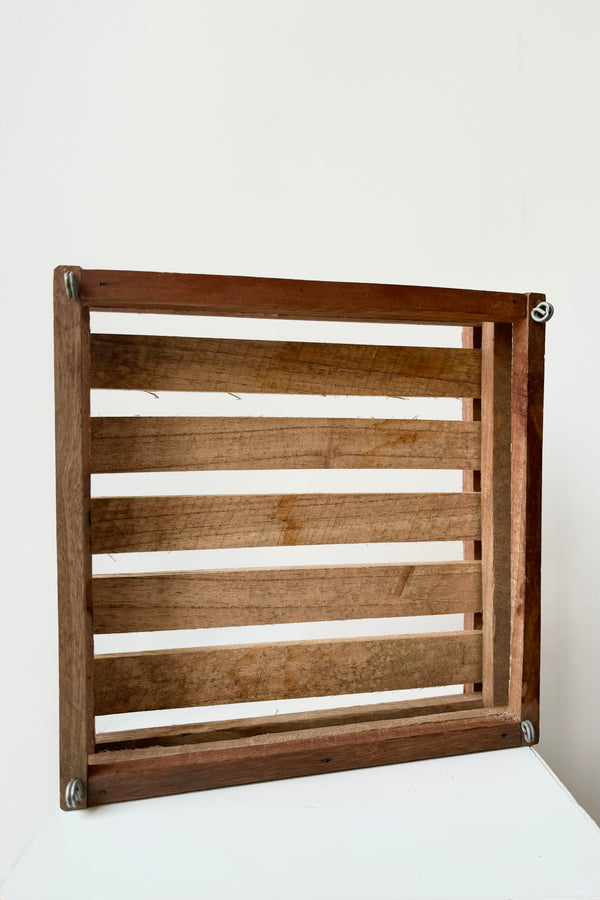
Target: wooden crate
<point x="499" y="375"/>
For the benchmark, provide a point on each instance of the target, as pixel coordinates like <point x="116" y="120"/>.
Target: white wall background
<point x="444" y="143"/>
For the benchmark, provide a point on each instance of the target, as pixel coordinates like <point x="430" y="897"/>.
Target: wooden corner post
<point x="527" y="420"/>
<point x="76" y="652"/>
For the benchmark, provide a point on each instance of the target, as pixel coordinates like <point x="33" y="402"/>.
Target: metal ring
<point x="73" y="793"/>
<point x="542" y="312"/>
<point x="528" y="731"/>
<point x="71" y="285"/>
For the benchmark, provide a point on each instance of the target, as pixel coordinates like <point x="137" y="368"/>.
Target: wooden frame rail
<point x="498" y="375"/>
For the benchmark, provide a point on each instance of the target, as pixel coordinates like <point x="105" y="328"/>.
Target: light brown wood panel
<point x="178" y="443"/>
<point x="236" y="729"/>
<point x="282" y="298"/>
<point x="71" y="369"/>
<point x="122" y="524"/>
<point x="159" y="363"/>
<point x="216" y="599"/>
<point x="496" y="350"/>
<point x="197" y="768"/>
<point x="527" y="408"/>
<point x="166" y="679"/>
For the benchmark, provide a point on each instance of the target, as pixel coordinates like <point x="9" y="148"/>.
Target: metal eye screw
<point x="71" y="286"/>
<point x="528" y="731"/>
<point x="73" y="793"/>
<point x="542" y="312"/>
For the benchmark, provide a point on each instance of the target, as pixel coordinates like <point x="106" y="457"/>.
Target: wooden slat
<point x="178" y="443"/>
<point x="165" y="679"/>
<point x="527" y="409"/>
<point x="198" y="768"/>
<point x="471" y="412"/>
<point x="122" y="524"/>
<point x="217" y="599"/>
<point x="158" y="363"/>
<point x="71" y="383"/>
<point x="231" y="295"/>
<point x="496" y="352"/>
<point x="282" y="738"/>
<point x="236" y="729"/>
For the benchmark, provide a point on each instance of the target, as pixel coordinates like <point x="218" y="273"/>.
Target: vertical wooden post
<point x="527" y="418"/>
<point x="496" y="356"/>
<point x="471" y="412"/>
<point x="72" y="411"/>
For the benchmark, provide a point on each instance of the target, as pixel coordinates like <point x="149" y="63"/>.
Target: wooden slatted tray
<point x="498" y="374"/>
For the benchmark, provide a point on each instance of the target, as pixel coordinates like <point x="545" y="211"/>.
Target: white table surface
<point x="486" y="825"/>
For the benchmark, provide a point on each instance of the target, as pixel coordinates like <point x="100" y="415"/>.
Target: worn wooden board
<point x="236" y="729"/>
<point x="165" y="679"/>
<point x="281" y="298"/>
<point x="197" y="768"/>
<point x="158" y="363"/>
<point x="527" y="419"/>
<point x="268" y="739"/>
<point x="124" y="524"/>
<point x="71" y="385"/>
<point x="231" y="597"/>
<point x="181" y="443"/>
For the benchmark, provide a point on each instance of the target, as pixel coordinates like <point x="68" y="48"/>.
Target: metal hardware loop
<point x="73" y="793"/>
<point x="543" y="312"/>
<point x="71" y="286"/>
<point x="528" y="731"/>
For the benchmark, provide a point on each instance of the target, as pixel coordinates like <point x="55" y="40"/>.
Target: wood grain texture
<point x="527" y="421"/>
<point x="71" y="384"/>
<point x="496" y="354"/>
<point x="269" y="739"/>
<point x="218" y="599"/>
<point x="123" y="524"/>
<point x="178" y="443"/>
<point x="236" y="729"/>
<point x="158" y="363"/>
<point x="167" y="679"/>
<point x="471" y="412"/>
<point x="199" y="768"/>
<point x="164" y="761"/>
<point x="232" y="295"/>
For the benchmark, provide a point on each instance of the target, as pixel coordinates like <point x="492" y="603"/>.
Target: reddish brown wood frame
<point x="498" y="373"/>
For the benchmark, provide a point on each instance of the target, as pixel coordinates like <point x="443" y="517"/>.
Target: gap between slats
<point x="275" y="481"/>
<point x="305" y="330"/>
<point x="123" y="403"/>
<point x="251" y="710"/>
<point x="178" y="638"/>
<point x="266" y="557"/>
